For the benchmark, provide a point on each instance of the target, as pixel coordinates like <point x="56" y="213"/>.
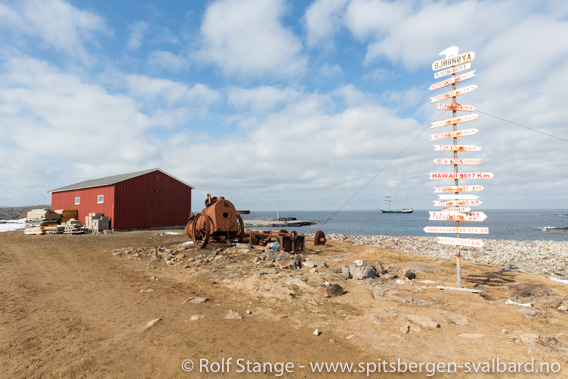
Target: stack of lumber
<point x="73" y="227"/>
<point x="67" y="214"/>
<point x="33" y="229"/>
<point x="43" y="217"/>
<point x="54" y="229"/>
<point x="96" y="222"/>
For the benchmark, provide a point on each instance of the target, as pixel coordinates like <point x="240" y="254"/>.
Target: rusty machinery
<point x="291" y="242"/>
<point x="218" y="219"/>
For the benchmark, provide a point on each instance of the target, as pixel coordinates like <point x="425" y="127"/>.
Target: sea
<point x="516" y="225"/>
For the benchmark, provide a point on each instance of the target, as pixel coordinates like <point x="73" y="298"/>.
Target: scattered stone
<point x="298" y="282"/>
<point x="528" y="312"/>
<point x="269" y="271"/>
<point x="421" y="302"/>
<point x="410" y="328"/>
<point x="232" y="315"/>
<point x="248" y="312"/>
<point x="378" y="320"/>
<point x="409" y="274"/>
<point x="196" y="317"/>
<point x="314" y="271"/>
<point x="151" y="323"/>
<point x="424" y="321"/>
<point x="455" y="318"/>
<point x="322" y="265"/>
<point x="527" y="338"/>
<point x="310" y="264"/>
<point x="504" y="331"/>
<point x="331" y="290"/>
<point x="392" y="312"/>
<point x="363" y="272"/>
<point x="389" y="276"/>
<point x="317" y="332"/>
<point x="379" y="292"/>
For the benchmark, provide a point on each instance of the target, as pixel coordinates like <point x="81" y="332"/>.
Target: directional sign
<point x="450" y="216"/>
<point x="457" y="203"/>
<point x="455" y="79"/>
<point x="457" y="133"/>
<point x="458" y="189"/>
<point x="453" y="61"/>
<point x="456" y="120"/>
<point x="453" y="229"/>
<point x="461" y="175"/>
<point x="460" y="241"/>
<point x="456" y="148"/>
<point x="455" y="107"/>
<point x="455" y="93"/>
<point x="457" y="161"/>
<point x="458" y="197"/>
<point x="453" y="70"/>
<point x="457" y="209"/>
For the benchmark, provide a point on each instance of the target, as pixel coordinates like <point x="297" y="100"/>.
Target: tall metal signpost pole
<point x="459" y="204"/>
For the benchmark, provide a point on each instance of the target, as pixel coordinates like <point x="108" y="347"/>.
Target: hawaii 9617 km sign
<point x="458" y="204"/>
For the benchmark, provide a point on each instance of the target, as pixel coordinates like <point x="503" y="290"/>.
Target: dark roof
<point x="111" y="180"/>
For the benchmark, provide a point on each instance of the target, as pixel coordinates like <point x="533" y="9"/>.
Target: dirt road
<point x="78" y="306"/>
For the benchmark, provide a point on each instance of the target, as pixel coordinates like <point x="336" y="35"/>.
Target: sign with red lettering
<point x="461" y="175"/>
<point x="457" y="203"/>
<point x="460" y="241"/>
<point x="453" y="229"/>
<point x="458" y="189"/>
<point x="457" y="161"/>
<point x="453" y="61"/>
<point x="456" y="120"/>
<point x="457" y="133"/>
<point x="456" y="148"/>
<point x="452" y="80"/>
<point x="460" y="196"/>
<point x="456" y="216"/>
<point x="455" y="93"/>
<point x="455" y="107"/>
<point x="452" y="70"/>
<point x="457" y="209"/>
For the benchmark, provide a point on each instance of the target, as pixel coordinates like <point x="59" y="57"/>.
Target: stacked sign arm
<point x="459" y="204"/>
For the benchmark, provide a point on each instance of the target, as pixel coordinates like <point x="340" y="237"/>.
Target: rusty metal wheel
<point x="201" y="230"/>
<point x="240" y="229"/>
<point x="293" y="235"/>
<point x="319" y="238"/>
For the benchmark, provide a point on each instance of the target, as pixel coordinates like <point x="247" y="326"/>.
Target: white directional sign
<point x="453" y="70"/>
<point x="456" y="120"/>
<point x="455" y="107"/>
<point x="460" y="241"/>
<point x="458" y="189"/>
<point x="475" y="161"/>
<point x="450" y="216"/>
<point x="458" y="197"/>
<point x="461" y="175"/>
<point x="457" y="133"/>
<point x="456" y="148"/>
<point x="457" y="92"/>
<point x="455" y="79"/>
<point x="457" y="203"/>
<point x="453" y="229"/>
<point x="457" y="209"/>
<point x="453" y="61"/>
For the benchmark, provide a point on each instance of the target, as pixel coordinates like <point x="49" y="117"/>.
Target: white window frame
<point x="100" y="199"/>
<point x="77" y="200"/>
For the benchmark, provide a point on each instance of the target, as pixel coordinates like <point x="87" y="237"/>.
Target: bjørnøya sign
<point x="457" y="209"/>
<point x="453" y="229"/>
<point x="456" y="148"/>
<point x="452" y="70"/>
<point x="460" y="196"/>
<point x="452" y="80"/>
<point x="457" y="203"/>
<point x="458" y="189"/>
<point x="456" y="120"/>
<point x="460" y="241"/>
<point x="457" y="133"/>
<point x="474" y="161"/>
<point x="461" y="175"/>
<point x="456" y="216"/>
<point x="455" y="107"/>
<point x="453" y="61"/>
<point x="455" y="93"/>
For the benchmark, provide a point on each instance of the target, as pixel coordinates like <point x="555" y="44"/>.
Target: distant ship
<point x="388" y="201"/>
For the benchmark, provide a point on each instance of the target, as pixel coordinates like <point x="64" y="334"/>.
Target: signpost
<point x="458" y="204"/>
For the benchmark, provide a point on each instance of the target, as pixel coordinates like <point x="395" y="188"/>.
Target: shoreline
<point x="540" y="257"/>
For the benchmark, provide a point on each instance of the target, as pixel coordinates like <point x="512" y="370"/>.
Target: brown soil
<point x="80" y="306"/>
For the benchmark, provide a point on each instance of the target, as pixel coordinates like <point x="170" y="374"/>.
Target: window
<point x="101" y="199"/>
<point x="77" y="200"/>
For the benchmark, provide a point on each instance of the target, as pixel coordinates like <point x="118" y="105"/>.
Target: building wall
<point x="151" y="200"/>
<point x="88" y="202"/>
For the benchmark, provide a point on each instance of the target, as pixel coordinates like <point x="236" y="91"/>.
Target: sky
<point x="312" y="105"/>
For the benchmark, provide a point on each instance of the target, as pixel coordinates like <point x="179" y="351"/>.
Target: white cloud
<point x="246" y="38"/>
<point x="261" y="99"/>
<point x="137" y="31"/>
<point x="323" y="18"/>
<point x="55" y="23"/>
<point x="168" y="60"/>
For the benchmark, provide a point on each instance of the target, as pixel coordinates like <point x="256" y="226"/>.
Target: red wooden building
<point x="149" y="198"/>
